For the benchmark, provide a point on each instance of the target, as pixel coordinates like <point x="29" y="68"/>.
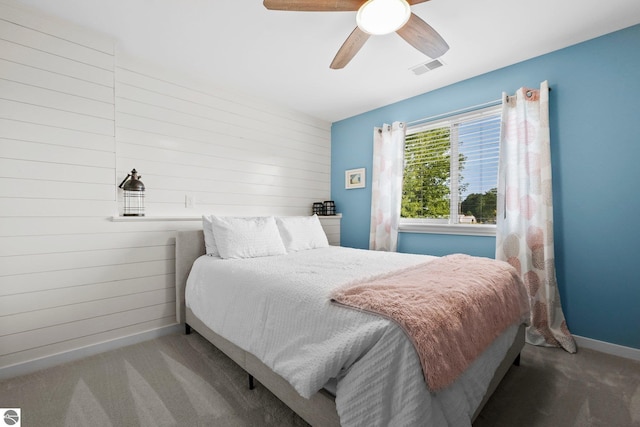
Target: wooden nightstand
<point x="331" y="225"/>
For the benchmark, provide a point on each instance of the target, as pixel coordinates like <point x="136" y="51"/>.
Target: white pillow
<point x="300" y="233"/>
<point x="209" y="240"/>
<point x="240" y="237"/>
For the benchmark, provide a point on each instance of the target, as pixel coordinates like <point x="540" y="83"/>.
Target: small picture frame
<point x="354" y="178"/>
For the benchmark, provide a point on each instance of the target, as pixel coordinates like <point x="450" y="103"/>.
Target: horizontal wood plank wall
<point x="72" y="124"/>
<point x="231" y="154"/>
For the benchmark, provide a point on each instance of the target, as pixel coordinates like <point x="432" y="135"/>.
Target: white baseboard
<point x="78" y="353"/>
<point x="609" y="348"/>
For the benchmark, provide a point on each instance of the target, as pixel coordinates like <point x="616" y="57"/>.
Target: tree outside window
<point x="451" y="166"/>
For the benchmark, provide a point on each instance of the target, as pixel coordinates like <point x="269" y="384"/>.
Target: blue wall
<point x="595" y="138"/>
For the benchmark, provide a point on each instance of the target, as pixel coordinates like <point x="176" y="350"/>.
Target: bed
<point x="461" y="403"/>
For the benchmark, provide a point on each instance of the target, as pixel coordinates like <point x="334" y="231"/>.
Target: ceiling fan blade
<point x="349" y="48"/>
<point x="423" y="37"/>
<point x="412" y="2"/>
<point x="314" y="5"/>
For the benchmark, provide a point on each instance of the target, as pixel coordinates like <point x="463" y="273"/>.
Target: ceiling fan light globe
<point x="378" y="17"/>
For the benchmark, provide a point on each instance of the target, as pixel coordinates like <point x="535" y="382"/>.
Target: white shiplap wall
<point x="74" y="119"/>
<point x="234" y="155"/>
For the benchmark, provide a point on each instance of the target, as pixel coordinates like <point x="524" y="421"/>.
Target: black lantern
<point x="329" y="207"/>
<point x="133" y="195"/>
<point x="318" y="208"/>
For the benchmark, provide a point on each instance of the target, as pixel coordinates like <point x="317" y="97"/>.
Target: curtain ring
<point x="529" y="94"/>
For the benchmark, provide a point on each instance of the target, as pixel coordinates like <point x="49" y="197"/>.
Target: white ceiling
<point x="285" y="56"/>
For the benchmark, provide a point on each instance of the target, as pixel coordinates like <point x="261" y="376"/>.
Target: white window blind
<point x="451" y="172"/>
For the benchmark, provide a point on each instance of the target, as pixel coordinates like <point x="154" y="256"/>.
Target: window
<point x="451" y="174"/>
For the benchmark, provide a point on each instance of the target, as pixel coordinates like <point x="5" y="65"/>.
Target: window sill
<point x="458" y="229"/>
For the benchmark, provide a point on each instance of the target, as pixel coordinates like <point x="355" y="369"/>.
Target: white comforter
<point x="278" y="309"/>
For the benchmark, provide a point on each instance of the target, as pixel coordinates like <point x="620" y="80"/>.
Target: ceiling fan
<point x="374" y="17"/>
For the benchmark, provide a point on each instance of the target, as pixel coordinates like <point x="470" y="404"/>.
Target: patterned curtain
<point x="524" y="235"/>
<point x="386" y="186"/>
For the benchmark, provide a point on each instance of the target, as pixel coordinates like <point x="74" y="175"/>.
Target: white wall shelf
<point x="182" y="218"/>
<point x="155" y="218"/>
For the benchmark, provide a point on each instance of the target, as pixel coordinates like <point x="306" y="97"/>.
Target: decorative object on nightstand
<point x="318" y="208"/>
<point x="133" y="194"/>
<point x="329" y="207"/>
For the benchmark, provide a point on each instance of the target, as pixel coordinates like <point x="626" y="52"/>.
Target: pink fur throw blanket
<point x="452" y="308"/>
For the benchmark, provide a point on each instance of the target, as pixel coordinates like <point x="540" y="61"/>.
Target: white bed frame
<point x="320" y="409"/>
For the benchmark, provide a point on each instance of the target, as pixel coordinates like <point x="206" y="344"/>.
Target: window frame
<point x="429" y="225"/>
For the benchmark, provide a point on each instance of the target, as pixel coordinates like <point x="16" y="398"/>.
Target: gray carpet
<point x="181" y="380"/>
<point x="552" y="388"/>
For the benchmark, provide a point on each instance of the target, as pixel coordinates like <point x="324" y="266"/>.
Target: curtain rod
<point x="462" y="110"/>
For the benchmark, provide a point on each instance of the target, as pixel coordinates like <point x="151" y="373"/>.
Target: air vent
<point x="427" y="66"/>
